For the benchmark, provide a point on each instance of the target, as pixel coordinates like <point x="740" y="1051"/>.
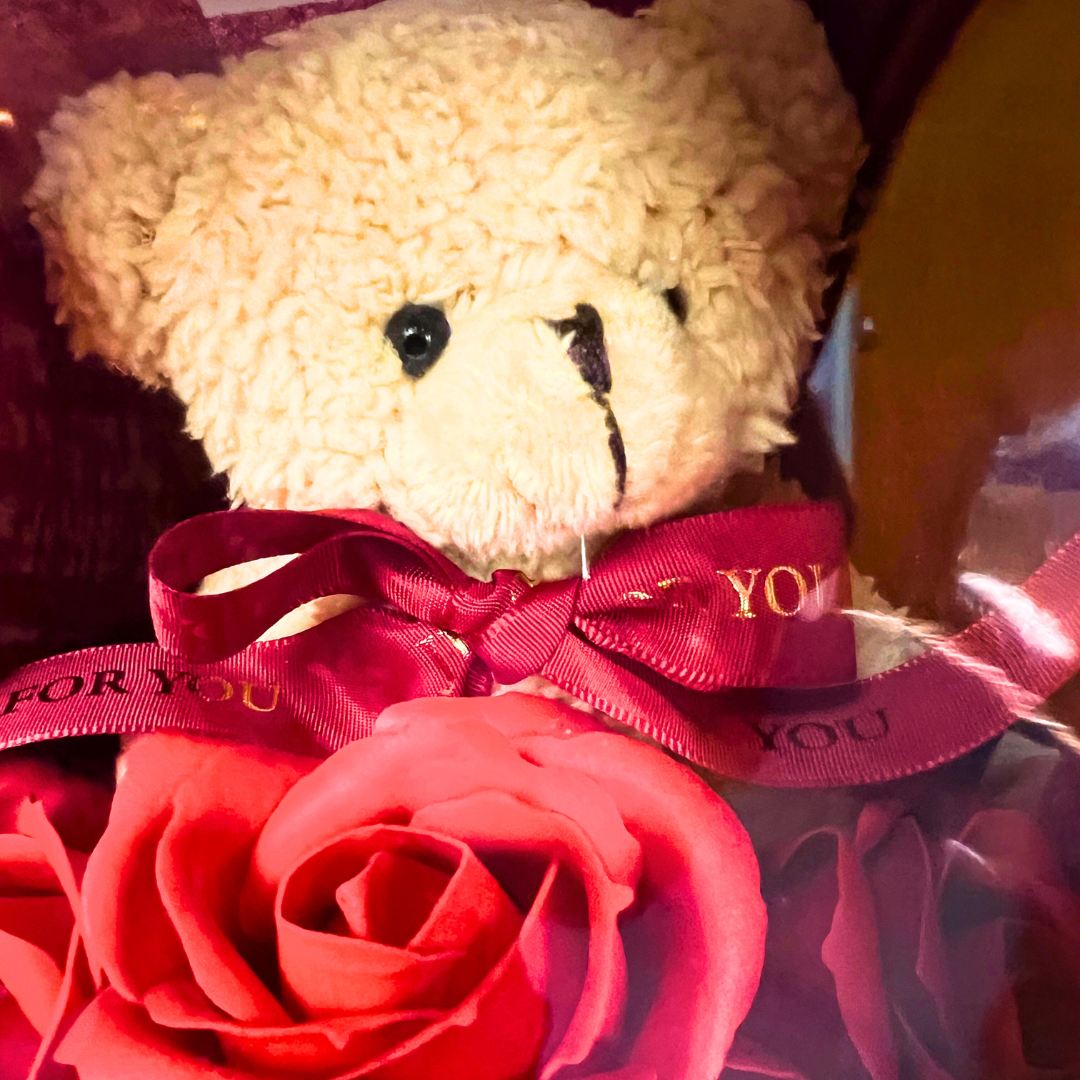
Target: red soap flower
<point x="482" y="889"/>
<point x="899" y="950"/>
<point x="45" y="816"/>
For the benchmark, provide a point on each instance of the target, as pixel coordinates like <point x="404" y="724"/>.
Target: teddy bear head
<point x="514" y="271"/>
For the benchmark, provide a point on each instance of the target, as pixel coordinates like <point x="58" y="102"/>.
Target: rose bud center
<point x="387" y="918"/>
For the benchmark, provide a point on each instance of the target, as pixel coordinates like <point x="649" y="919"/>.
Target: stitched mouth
<point x="618" y="451"/>
<point x="589" y="353"/>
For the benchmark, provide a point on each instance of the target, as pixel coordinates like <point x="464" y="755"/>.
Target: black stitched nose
<point x="587" y="349"/>
<point x="589" y="353"/>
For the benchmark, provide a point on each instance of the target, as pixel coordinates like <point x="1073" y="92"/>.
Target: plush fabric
<point x="246" y="240"/>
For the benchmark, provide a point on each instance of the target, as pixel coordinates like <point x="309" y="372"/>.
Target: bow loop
<point x="732" y="599"/>
<point x="355" y="552"/>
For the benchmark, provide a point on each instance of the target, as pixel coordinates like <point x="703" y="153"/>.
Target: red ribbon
<point x="711" y="602"/>
<point x="674" y="633"/>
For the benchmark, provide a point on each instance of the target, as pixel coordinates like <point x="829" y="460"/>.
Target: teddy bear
<point x="521" y="275"/>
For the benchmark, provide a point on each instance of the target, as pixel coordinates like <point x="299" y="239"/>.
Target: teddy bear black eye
<point x="676" y="300"/>
<point x="419" y="334"/>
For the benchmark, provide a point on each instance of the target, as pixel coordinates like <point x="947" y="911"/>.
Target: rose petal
<point x="19" y="1044"/>
<point x="75" y="990"/>
<point x="433" y="753"/>
<point x="557" y="955"/>
<point x="77" y="807"/>
<point x="328" y="1046"/>
<point x="36" y="930"/>
<point x="200" y="867"/>
<point x="24" y="867"/>
<point x="516" y="715"/>
<point x="911" y="945"/>
<point x="327" y="974"/>
<point x="114" y="1040"/>
<point x="926" y="1067"/>
<point x="495" y="1034"/>
<point x="748" y="1058"/>
<point x="34" y="937"/>
<point x="498" y="1031"/>
<point x="696" y="937"/>
<point x="629" y="1072"/>
<point x="493" y="821"/>
<point x="1012" y="848"/>
<point x="987" y="1028"/>
<point x="391" y="898"/>
<point x="131" y="933"/>
<point x="1048" y="994"/>
<point x="1001" y="878"/>
<point x="68" y="866"/>
<point x="473" y="914"/>
<point x="850" y="952"/>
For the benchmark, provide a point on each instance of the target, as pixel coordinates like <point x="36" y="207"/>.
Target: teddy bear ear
<point x="111" y="161"/>
<point x="777" y="56"/>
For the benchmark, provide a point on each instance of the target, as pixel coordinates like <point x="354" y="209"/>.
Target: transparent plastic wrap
<point x="910" y="815"/>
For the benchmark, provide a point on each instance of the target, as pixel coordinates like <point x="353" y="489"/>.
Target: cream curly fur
<point x="245" y="239"/>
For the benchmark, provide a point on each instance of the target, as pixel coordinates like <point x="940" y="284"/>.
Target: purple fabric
<point x="92" y="470"/>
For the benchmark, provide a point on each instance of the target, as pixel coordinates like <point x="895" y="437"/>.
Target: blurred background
<point x="968" y="278"/>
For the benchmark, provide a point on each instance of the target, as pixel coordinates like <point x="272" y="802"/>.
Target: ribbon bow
<point x="723" y="600"/>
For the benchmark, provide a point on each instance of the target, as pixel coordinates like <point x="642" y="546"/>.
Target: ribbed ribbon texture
<point x="718" y="635"/>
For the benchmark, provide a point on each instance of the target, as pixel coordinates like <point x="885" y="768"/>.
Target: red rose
<point x="39" y="874"/>
<point x="479" y="890"/>
<point x="917" y="944"/>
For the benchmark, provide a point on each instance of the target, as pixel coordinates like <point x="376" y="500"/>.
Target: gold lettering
<point x="770" y="590"/>
<point x="742" y="590"/>
<point x="684" y="592"/>
<point x="461" y="646"/>
<point x="275" y="693"/>
<point x="224" y="684"/>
